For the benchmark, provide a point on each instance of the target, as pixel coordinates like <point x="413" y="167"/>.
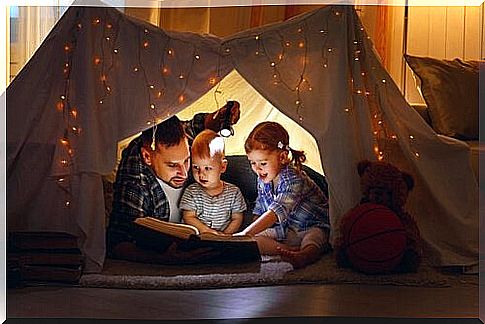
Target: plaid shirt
<point x="136" y="191"/>
<point x="297" y="202"/>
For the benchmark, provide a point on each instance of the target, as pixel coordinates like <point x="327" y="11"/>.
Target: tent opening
<point x="254" y="109"/>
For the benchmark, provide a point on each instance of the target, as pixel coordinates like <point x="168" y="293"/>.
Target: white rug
<point x="271" y="271"/>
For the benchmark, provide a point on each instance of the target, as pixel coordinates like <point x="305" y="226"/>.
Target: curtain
<point x="29" y="26"/>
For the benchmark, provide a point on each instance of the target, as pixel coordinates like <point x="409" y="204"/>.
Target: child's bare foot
<point x="300" y="258"/>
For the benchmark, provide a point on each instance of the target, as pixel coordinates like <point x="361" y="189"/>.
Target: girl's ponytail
<point x="297" y="158"/>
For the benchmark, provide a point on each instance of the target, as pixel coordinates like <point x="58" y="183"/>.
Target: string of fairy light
<point x="363" y="85"/>
<point x="375" y="90"/>
<point x="69" y="112"/>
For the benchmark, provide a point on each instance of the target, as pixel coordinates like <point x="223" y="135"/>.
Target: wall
<point x="439" y="32"/>
<point x="446" y="33"/>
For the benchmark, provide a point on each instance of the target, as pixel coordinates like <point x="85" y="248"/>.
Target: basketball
<point x="376" y="238"/>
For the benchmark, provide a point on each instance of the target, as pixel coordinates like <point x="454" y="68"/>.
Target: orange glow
<point x="60" y="106"/>
<point x="97" y="60"/>
<point x="181" y="98"/>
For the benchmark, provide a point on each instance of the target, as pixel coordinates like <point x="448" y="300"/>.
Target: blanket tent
<point x="101" y="76"/>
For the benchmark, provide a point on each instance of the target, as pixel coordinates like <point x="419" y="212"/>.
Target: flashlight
<point x="226" y="128"/>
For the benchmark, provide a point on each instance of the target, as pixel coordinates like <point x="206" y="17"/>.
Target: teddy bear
<point x="384" y="184"/>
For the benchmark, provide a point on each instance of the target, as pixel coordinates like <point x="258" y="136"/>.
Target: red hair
<point x="271" y="136"/>
<point x="208" y="144"/>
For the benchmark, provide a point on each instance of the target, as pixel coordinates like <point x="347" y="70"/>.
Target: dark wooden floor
<point x="275" y="301"/>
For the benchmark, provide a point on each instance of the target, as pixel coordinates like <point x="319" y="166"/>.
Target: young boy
<point x="210" y="204"/>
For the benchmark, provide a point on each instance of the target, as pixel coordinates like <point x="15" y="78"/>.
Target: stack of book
<point x="43" y="257"/>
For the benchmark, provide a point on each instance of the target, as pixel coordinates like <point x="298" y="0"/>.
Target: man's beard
<point x="176" y="182"/>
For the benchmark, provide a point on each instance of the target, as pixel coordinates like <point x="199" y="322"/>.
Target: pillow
<point x="450" y="90"/>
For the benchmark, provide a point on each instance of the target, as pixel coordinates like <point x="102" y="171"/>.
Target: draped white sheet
<point x="347" y="99"/>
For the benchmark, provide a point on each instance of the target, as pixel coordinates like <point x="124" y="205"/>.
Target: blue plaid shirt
<point x="296" y="200"/>
<point x="136" y="191"/>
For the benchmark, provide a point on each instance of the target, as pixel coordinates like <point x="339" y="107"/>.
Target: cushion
<point x="450" y="90"/>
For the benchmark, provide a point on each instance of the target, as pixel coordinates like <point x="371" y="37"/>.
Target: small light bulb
<point x="197" y="56"/>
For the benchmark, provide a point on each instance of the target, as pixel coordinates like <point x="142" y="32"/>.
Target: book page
<point x="183" y="231"/>
<point x="229" y="238"/>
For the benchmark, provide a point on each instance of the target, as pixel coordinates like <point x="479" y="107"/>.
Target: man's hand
<point x="215" y="120"/>
<point x="173" y="255"/>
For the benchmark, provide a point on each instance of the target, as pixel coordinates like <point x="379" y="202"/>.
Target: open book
<point x="185" y="231"/>
<point x="157" y="234"/>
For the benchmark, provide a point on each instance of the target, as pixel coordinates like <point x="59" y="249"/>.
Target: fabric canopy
<point x="101" y="76"/>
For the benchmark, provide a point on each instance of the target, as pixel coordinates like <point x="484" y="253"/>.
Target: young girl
<point x="291" y="210"/>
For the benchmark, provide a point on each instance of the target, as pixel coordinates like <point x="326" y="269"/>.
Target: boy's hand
<point x="211" y="231"/>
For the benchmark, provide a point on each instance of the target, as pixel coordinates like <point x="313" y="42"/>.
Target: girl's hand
<point x="242" y="233"/>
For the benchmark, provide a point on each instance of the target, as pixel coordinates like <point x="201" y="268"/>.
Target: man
<point x="150" y="179"/>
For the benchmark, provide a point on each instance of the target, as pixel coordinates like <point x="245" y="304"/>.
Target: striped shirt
<point x="213" y="211"/>
<point x="296" y="200"/>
